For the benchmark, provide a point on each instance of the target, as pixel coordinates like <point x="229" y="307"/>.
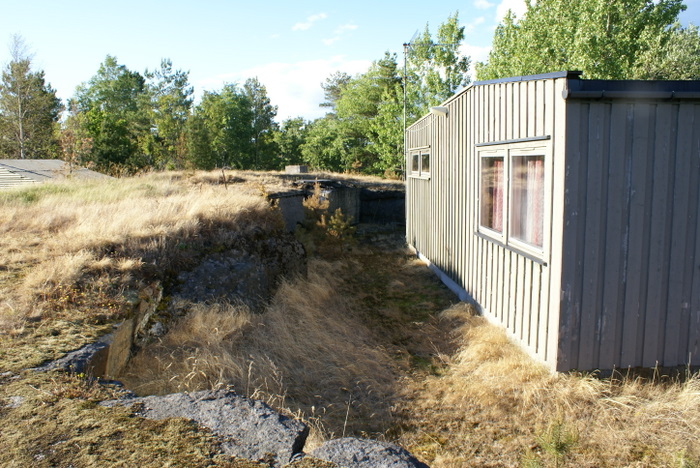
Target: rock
<point x="248" y="273"/>
<point x="247" y="428"/>
<point x="120" y="349"/>
<point x="231" y="276"/>
<point x="91" y="359"/>
<point x="361" y="453"/>
<point x="14" y="402"/>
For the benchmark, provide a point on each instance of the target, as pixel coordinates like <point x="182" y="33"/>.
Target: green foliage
<point x="262" y="124"/>
<point x="333" y="88"/>
<point x="289" y="138"/>
<point x="435" y="68"/>
<point x="234" y="128"/>
<point x="325" y="146"/>
<point x="554" y="444"/>
<point x="606" y="40"/>
<point x="364" y="130"/>
<point x="673" y="55"/>
<point x="170" y="103"/>
<point x="225" y="121"/>
<point x="122" y="122"/>
<point x="199" y="150"/>
<point x="29" y="110"/>
<point x="339" y="227"/>
<point x="114" y="117"/>
<point x="322" y="229"/>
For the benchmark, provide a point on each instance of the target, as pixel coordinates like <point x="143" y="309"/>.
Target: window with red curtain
<point x="492" y="191"/>
<point x="527" y="199"/>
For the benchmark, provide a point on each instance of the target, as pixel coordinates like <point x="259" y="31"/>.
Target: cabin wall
<point x="518" y="290"/>
<point x="631" y="276"/>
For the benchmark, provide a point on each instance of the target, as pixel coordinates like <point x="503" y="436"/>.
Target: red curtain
<point x="535" y="201"/>
<point x="497" y="196"/>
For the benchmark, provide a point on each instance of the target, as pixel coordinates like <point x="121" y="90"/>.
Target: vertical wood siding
<point x="631" y="275"/>
<point x="618" y="284"/>
<point x="442" y="213"/>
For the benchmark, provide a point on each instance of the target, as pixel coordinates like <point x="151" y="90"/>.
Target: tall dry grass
<point x="494" y="406"/>
<point x="63" y="245"/>
<point x="308" y="352"/>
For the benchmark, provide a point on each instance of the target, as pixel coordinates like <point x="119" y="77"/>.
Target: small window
<point x="425" y="163"/>
<point x="492" y="190"/>
<point x="419" y="159"/>
<point x="527" y="199"/>
<point x="512" y="198"/>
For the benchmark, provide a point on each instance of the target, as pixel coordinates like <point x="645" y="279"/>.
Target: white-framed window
<point x="512" y="186"/>
<point x="493" y="189"/>
<point x="419" y="162"/>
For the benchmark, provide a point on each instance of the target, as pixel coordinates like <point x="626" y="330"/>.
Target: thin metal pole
<point x="405" y="85"/>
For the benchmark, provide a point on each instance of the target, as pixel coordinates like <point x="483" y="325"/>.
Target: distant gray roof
<point x="15" y="172"/>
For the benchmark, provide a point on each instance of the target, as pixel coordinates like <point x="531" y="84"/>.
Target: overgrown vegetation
<point x="620" y="40"/>
<point x="368" y="344"/>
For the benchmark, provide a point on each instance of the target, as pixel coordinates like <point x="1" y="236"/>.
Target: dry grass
<point x="495" y="407"/>
<point x="73" y="251"/>
<point x="308" y="352"/>
<point x="368" y="344"/>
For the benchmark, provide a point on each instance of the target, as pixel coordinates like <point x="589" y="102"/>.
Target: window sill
<point x="513" y="248"/>
<point x="421" y="177"/>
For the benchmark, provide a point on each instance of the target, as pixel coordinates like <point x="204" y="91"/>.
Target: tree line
<point x="121" y="121"/>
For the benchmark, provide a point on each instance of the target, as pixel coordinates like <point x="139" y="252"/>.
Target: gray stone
<point x="91" y="359"/>
<point x="362" y="453"/>
<point x="247" y="428"/>
<point x="14" y="402"/>
<point x="296" y="169"/>
<point x="249" y="274"/>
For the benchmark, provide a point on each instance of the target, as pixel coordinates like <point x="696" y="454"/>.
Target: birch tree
<point x="29" y="109"/>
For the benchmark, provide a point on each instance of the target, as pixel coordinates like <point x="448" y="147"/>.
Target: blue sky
<point x="290" y="46"/>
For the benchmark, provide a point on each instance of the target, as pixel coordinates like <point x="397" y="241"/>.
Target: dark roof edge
<point x="573" y="75"/>
<point x="632" y="89"/>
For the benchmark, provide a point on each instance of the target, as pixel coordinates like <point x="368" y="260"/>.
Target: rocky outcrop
<point x="362" y="453"/>
<point x="247" y="428"/>
<point x="91" y="359"/>
<point x="248" y="273"/>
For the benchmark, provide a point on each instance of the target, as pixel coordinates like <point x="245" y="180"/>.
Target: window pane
<point x="527" y="199"/>
<point x="492" y="187"/>
<point x="415" y="162"/>
<point x="425" y="163"/>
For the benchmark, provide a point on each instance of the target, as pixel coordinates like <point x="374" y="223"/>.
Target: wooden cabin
<point x="568" y="211"/>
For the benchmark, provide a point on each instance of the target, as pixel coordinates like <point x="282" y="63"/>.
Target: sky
<point x="291" y="47"/>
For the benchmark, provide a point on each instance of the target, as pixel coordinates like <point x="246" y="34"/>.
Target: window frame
<point x="490" y="231"/>
<point x="419" y="156"/>
<point x="509" y="152"/>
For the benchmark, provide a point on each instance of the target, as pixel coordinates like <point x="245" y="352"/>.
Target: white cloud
<point x="294" y="87"/>
<point x="476" y="54"/>
<point x="346" y="28"/>
<point x="339" y="31"/>
<point x="516" y="6"/>
<point x="469" y="27"/>
<point x="303" y="26"/>
<point x="483" y="4"/>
